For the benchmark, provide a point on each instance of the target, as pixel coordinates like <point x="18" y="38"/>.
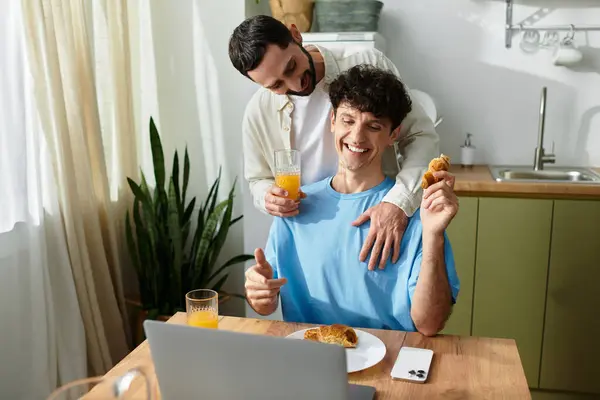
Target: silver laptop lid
<point x="197" y="363"/>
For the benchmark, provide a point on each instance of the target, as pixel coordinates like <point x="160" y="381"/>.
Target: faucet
<point x="541" y="157"/>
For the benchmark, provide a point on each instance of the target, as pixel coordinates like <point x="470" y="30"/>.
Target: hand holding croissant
<point x="442" y="163"/>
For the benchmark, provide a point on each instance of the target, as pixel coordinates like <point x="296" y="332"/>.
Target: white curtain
<point x="76" y="95"/>
<point x="42" y="339"/>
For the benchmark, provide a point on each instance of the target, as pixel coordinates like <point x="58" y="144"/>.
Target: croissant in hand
<point x="334" y="334"/>
<point x="441" y="163"/>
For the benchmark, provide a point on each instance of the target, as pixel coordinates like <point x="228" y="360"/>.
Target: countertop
<point x="478" y="181"/>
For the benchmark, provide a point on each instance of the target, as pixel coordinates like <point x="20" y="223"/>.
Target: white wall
<point x="455" y="51"/>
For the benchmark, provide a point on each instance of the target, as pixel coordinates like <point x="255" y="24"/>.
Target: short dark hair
<point x="249" y="41"/>
<point x="370" y="89"/>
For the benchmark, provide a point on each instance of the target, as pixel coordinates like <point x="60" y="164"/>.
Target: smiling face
<point x="361" y="138"/>
<point x="369" y="105"/>
<point x="286" y="71"/>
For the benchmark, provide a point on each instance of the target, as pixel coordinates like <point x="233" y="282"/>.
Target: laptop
<point x="198" y="363"/>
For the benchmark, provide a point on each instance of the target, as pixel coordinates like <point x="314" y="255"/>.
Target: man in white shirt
<point x="292" y="110"/>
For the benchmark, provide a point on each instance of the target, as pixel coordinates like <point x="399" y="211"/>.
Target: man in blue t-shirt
<point x="311" y="260"/>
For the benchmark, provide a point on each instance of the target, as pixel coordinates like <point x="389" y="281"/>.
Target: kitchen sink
<point x="548" y="174"/>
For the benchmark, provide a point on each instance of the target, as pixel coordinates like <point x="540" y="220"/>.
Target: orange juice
<point x="204" y="319"/>
<point x="289" y="182"/>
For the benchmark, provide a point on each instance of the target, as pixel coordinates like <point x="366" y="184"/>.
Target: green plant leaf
<point x="221" y="237"/>
<point x="146" y="200"/>
<point x="174" y="231"/>
<point x="185" y="232"/>
<point x="233" y="221"/>
<point x="232" y="261"/>
<point x="145" y="188"/>
<point x="212" y="196"/>
<point x="137" y="190"/>
<point x="187" y="215"/>
<point x="201" y="268"/>
<point x="175" y="180"/>
<point x="148" y="212"/>
<point x="133" y="251"/>
<point x="197" y="235"/>
<point x="148" y="288"/>
<point x="158" y="159"/>
<point x="217" y="286"/>
<point x="186" y="174"/>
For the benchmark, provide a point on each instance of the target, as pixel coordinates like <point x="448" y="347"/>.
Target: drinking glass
<point x="287" y="172"/>
<point x="133" y="384"/>
<point x="202" y="307"/>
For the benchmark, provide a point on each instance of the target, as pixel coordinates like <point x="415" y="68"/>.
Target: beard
<point x="311" y="74"/>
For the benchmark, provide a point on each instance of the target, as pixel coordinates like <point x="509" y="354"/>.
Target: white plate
<point x="369" y="351"/>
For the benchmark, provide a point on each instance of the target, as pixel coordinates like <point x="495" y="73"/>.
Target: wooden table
<point x="462" y="367"/>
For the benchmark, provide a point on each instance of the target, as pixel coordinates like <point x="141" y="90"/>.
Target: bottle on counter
<point x="467" y="153"/>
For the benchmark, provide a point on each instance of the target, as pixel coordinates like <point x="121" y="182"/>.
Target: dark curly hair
<point x="248" y="42"/>
<point x="370" y="89"/>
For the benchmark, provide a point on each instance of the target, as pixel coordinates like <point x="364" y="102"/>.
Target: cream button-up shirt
<point x="268" y="120"/>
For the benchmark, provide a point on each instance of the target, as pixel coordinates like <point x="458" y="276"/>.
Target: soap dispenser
<point x="467" y="152"/>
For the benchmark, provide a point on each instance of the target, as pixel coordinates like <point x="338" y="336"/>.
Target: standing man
<point x="292" y="110"/>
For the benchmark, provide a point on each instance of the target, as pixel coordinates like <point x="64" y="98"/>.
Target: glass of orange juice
<point x="287" y="171"/>
<point x="202" y="307"/>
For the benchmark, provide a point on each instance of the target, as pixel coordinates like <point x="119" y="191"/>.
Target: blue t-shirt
<point x="317" y="251"/>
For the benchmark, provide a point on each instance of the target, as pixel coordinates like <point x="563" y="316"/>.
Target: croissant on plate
<point x="441" y="163"/>
<point x="334" y="334"/>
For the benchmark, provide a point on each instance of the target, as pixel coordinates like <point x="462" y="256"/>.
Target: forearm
<point x="432" y="300"/>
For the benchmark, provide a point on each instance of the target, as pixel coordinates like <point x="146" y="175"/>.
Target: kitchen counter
<point x="478" y="181"/>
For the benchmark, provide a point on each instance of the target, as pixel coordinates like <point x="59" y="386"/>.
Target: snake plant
<point x="173" y="254"/>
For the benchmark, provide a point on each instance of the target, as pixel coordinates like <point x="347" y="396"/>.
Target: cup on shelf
<point x="551" y="40"/>
<point x="567" y="53"/>
<point x="530" y="41"/>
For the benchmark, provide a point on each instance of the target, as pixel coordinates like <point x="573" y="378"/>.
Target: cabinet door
<point x="462" y="233"/>
<point x="571" y="353"/>
<point x="513" y="243"/>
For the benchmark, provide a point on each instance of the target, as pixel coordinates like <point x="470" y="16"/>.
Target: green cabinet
<point x="513" y="242"/>
<point x="462" y="233"/>
<point x="571" y="353"/>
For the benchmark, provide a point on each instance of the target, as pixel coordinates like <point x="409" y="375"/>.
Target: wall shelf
<point x="511" y="28"/>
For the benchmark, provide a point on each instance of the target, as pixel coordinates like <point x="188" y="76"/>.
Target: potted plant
<point x="171" y="254"/>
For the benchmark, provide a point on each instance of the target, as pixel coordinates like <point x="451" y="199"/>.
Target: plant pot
<point x="348" y="15"/>
<point x="296" y="12"/>
<point x="139" y="315"/>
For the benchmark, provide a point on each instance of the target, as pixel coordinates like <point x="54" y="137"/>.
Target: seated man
<point x="311" y="258"/>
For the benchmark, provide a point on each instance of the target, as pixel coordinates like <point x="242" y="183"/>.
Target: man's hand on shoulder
<point x="262" y="290"/>
<point x="278" y="205"/>
<point x="439" y="205"/>
<point x="388" y="223"/>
